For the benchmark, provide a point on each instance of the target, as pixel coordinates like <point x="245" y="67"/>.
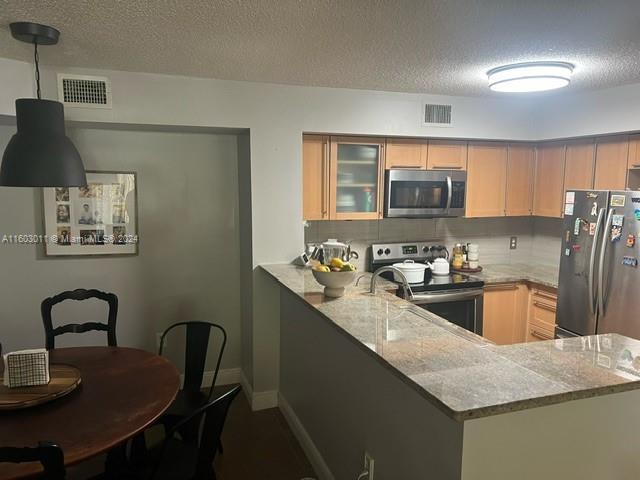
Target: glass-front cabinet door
<point x="357" y="178"/>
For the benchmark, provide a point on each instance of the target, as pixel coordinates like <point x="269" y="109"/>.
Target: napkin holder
<point x="26" y="368"/>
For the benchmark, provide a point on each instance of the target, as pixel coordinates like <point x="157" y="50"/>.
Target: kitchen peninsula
<point x="428" y="399"/>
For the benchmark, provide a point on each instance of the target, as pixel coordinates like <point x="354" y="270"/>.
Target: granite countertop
<point x="463" y="374"/>
<point x="546" y="275"/>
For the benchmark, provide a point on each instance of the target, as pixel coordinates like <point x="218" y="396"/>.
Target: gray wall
<point x="188" y="262"/>
<point x="246" y="257"/>
<point x="349" y="403"/>
<point x="538" y="238"/>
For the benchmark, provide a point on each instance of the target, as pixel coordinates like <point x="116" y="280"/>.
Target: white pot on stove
<point x="414" y="272"/>
<point x="439" y="267"/>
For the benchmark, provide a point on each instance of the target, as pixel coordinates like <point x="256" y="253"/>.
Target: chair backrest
<point x="48" y="454"/>
<point x="79" y="294"/>
<point x="195" y="352"/>
<point x="215" y="414"/>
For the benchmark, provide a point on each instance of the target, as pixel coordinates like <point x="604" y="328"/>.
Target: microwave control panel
<point x="457" y="194"/>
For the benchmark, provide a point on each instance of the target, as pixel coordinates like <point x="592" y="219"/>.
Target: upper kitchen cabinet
<point x="634" y="152"/>
<point x="486" y="179"/>
<point x="548" y="192"/>
<point x="520" y="172"/>
<point x="356" y="178"/>
<point x="406" y="153"/>
<point x="446" y="155"/>
<point x="315" y="177"/>
<point x="611" y="163"/>
<point x="633" y="164"/>
<point x="580" y="159"/>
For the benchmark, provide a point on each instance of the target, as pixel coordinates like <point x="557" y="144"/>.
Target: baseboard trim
<point x="226" y="376"/>
<point x="246" y="388"/>
<point x="263" y="400"/>
<point x="313" y="454"/>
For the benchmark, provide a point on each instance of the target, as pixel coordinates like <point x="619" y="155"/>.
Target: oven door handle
<point x="459" y="296"/>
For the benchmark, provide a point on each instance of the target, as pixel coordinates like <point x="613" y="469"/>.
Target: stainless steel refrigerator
<point x="599" y="284"/>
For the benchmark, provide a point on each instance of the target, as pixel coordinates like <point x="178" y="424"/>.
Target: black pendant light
<point x="40" y="154"/>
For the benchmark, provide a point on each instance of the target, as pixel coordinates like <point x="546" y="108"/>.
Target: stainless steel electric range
<point x="455" y="297"/>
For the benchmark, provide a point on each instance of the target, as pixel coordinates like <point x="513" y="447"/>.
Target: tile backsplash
<point x="538" y="238"/>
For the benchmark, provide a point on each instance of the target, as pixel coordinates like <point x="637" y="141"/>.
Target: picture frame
<point x="98" y="219"/>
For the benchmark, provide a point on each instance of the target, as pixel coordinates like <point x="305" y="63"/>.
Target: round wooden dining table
<point x="123" y="391"/>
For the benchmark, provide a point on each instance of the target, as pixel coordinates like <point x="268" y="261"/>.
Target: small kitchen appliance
<point x="455" y="297"/>
<point x="424" y="193"/>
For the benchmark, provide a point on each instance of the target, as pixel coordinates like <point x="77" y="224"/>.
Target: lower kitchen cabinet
<point x="504" y="313"/>
<point x="517" y="312"/>
<point x="542" y="315"/>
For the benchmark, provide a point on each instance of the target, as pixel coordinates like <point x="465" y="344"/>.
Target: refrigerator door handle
<point x="603" y="253"/>
<point x="593" y="298"/>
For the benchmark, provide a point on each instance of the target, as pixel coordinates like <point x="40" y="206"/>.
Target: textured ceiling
<point x="429" y="46"/>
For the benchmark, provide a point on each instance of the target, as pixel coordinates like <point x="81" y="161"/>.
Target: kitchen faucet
<point x="408" y="294"/>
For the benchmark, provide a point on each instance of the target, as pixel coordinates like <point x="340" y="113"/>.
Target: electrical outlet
<point x="368" y="465"/>
<point x="513" y="243"/>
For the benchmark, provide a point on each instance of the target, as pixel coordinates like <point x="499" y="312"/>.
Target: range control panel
<point x="418" y="251"/>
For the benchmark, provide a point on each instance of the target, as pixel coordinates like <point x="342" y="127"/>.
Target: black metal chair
<point x="79" y="294"/>
<point x="48" y="454"/>
<point x="180" y="459"/>
<point x="191" y="397"/>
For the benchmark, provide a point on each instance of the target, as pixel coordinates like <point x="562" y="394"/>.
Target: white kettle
<point x="439" y="266"/>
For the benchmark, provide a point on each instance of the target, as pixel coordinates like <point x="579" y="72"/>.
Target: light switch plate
<point x="513" y="243"/>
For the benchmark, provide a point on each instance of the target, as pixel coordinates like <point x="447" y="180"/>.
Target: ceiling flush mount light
<point x="530" y="77"/>
<point x="40" y="154"/>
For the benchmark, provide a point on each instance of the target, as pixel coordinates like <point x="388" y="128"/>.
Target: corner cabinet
<point x="611" y="163"/>
<point x="356" y="178"/>
<point x="519" y="189"/>
<point x="548" y="198"/>
<point x="486" y="179"/>
<point x="504" y="313"/>
<point x="315" y="177"/>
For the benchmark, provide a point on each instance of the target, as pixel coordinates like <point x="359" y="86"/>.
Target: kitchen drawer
<point x="538" y="333"/>
<point x="543" y="312"/>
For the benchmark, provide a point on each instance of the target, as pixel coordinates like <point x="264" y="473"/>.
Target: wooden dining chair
<point x="79" y="294"/>
<point x="180" y="459"/>
<point x="48" y="454"/>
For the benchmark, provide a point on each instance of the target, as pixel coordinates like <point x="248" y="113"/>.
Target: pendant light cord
<point x="35" y="56"/>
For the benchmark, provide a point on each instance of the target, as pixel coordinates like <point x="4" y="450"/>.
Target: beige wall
<point x="188" y="265"/>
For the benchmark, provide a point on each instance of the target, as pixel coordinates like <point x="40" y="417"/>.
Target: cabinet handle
<point x="413" y="167"/>
<point x="443" y="167"/>
<point x="635" y="165"/>
<point x="543" y="294"/>
<point x="325" y="177"/>
<point x="502" y="286"/>
<point x="540" y="335"/>
<point x="545" y="306"/>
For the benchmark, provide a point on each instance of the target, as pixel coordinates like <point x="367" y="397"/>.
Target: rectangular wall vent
<point x="437" y="115"/>
<point x="84" y="91"/>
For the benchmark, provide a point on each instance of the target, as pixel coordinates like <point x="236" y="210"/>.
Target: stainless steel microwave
<point x="424" y="193"/>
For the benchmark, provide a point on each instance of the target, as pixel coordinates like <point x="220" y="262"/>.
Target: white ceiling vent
<point x="437" y="115"/>
<point x="84" y="91"/>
